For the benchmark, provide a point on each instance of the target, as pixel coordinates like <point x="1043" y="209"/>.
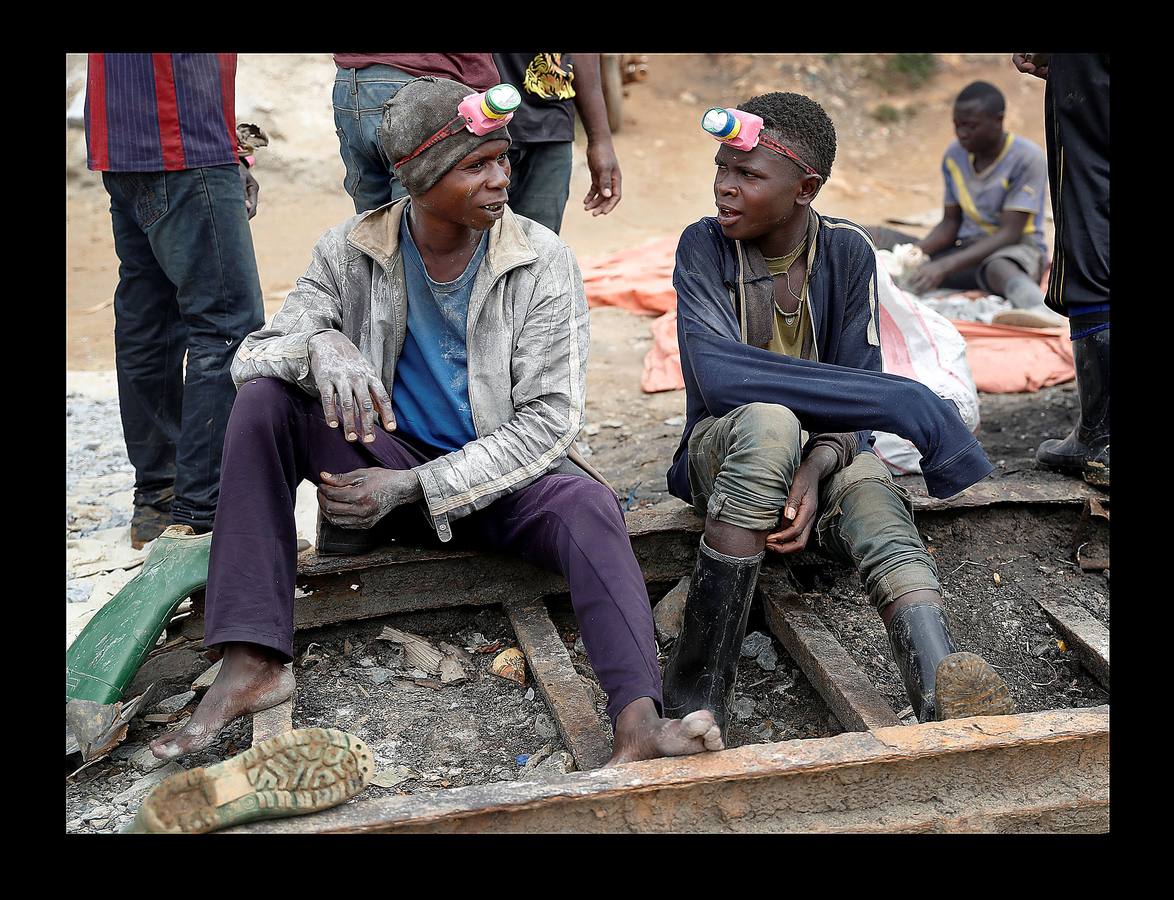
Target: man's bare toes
<point x="713" y="739"/>
<point x="188" y="739"/>
<point x="697" y="724"/>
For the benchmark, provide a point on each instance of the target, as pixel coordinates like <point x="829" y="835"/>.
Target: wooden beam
<point x="559" y="684"/>
<point x="1043" y="771"/>
<point x="401" y="578"/>
<point x="1042" y="489"/>
<point x="1084" y="634"/>
<point x="844" y="688"/>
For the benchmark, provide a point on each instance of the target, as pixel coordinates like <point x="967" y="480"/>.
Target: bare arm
<point x="1010" y="231"/>
<point x="605" y="191"/>
<point x="944" y="233"/>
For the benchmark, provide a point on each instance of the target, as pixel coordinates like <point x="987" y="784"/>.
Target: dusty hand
<point x="361" y="498"/>
<point x="348" y="386"/>
<point x="252" y="190"/>
<point x="605" y="179"/>
<point x="802" y="504"/>
<point x="928" y="277"/>
<point x="1037" y="65"/>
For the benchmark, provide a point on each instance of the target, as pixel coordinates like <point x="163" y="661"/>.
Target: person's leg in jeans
<point x="866" y="521"/>
<point x="573" y="525"/>
<point x="277" y="438"/>
<point x="203" y="245"/>
<point x="149" y="344"/>
<point x="540" y="181"/>
<point x="359" y="95"/>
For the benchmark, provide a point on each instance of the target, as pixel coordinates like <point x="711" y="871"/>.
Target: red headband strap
<point x="772" y="144"/>
<point x="446" y="131"/>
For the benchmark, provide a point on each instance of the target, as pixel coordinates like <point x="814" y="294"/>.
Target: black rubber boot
<point x="703" y="663"/>
<point x="943" y="683"/>
<point x="1085" y="451"/>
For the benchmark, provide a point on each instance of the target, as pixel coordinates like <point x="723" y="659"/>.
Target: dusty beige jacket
<point x="527" y="338"/>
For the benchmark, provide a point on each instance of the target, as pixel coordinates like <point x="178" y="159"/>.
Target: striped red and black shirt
<point x="154" y="112"/>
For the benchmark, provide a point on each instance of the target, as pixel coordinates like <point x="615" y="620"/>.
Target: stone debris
<point x="146" y="761"/>
<point x="379" y="675"/>
<point x="176" y="703"/>
<point x="140" y="788"/>
<point x="205" y="681"/>
<point x="743" y="708"/>
<point x="544" y="727"/>
<point x="754" y="643"/>
<point x="669" y="612"/>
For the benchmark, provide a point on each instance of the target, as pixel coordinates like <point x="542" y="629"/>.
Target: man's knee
<point x="262" y="401"/>
<point x="765" y="426"/>
<point x="587" y="507"/>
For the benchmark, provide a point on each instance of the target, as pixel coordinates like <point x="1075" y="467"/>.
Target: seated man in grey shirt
<point x="991" y="233"/>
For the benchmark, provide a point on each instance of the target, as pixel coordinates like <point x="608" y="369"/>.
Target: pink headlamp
<point x="743" y="131"/>
<point x="478" y="113"/>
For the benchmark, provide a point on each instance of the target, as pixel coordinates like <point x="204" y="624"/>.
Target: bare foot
<point x="251" y="679"/>
<point x="642" y="734"/>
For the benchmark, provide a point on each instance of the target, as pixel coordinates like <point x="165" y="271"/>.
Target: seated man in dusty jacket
<point x="780" y="350"/>
<point x="463" y="328"/>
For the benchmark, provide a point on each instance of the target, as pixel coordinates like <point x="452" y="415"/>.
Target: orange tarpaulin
<point x="640" y="279"/>
<point x="1003" y="358"/>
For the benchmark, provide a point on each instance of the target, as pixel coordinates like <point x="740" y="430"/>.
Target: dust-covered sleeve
<point x="282" y="348"/>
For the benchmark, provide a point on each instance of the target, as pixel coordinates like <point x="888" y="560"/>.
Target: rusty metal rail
<point x="1039" y="772"/>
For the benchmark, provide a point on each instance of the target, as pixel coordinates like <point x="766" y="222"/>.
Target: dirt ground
<point x="488" y="729"/>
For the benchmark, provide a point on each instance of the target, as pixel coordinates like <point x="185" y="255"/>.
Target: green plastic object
<point x="104" y="658"/>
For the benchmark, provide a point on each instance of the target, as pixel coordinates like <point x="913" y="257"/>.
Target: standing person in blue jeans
<point x="160" y="127"/>
<point x="365" y="81"/>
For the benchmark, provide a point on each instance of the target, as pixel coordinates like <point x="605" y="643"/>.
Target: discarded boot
<point x="148" y="522"/>
<point x="703" y="663"/>
<point x="103" y="659"/>
<point x="298" y="772"/>
<point x="1085" y="451"/>
<point x="943" y="683"/>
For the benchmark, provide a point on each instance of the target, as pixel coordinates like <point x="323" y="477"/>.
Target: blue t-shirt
<point x="431" y="391"/>
<point x="1017" y="179"/>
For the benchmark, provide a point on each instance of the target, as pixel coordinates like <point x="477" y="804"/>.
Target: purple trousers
<point x="277" y="436"/>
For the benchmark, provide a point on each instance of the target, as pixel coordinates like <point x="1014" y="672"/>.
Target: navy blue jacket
<point x="843" y="391"/>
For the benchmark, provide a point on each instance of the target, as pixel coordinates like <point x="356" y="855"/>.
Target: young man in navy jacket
<point x="780" y="349"/>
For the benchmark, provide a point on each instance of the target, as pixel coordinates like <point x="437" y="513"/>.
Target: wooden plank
<point x="560" y="685"/>
<point x="844" y="688"/>
<point x="401" y="578"/>
<point x="1084" y="634"/>
<point x="407" y="579"/>
<point x="1043" y="771"/>
<point x="1041" y="489"/>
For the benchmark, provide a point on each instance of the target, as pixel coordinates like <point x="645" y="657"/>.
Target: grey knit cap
<point x="418" y="110"/>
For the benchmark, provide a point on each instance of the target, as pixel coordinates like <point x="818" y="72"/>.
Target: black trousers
<point x="1076" y="113"/>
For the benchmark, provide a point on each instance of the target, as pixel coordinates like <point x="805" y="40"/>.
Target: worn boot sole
<point x="292" y="774"/>
<point x="966" y="685"/>
<point x="1096" y="474"/>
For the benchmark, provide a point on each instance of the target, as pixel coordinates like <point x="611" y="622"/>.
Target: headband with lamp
<point x="477" y="113"/>
<point x="743" y="131"/>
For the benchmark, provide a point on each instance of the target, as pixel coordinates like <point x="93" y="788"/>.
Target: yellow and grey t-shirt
<point x="1016" y="180"/>
<point x="790" y="330"/>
